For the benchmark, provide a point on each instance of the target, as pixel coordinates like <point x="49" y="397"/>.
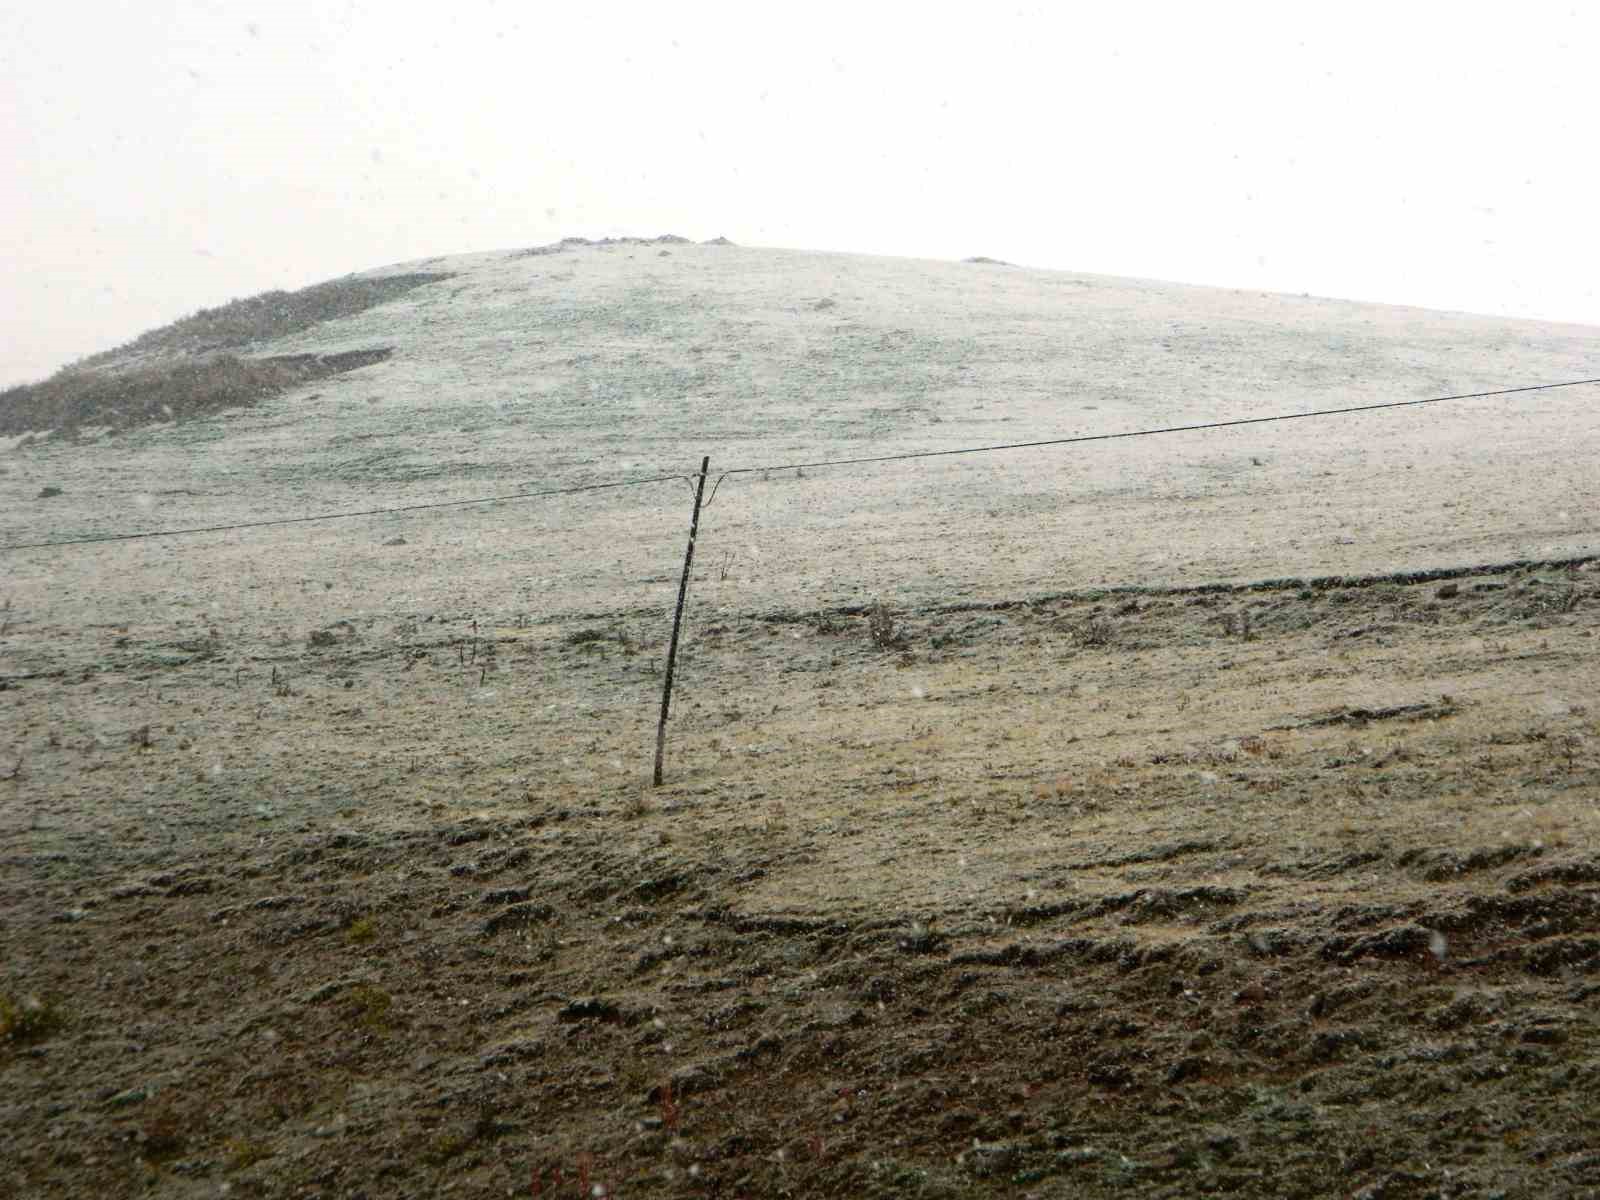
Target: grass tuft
<point x="368" y="1006"/>
<point x="1096" y="632"/>
<point x="174" y="391"/>
<point x="881" y="627"/>
<point x="29" y="1019"/>
<point x="244" y="1153"/>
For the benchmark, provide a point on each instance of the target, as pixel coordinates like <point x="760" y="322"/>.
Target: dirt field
<point x="329" y="865"/>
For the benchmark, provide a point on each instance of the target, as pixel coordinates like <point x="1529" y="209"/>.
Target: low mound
<point x="572" y="243"/>
<point x="170" y="391"/>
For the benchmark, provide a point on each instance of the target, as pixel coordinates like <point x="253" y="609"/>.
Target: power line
<point x="1133" y="433"/>
<point x="836" y="462"/>
<point x="338" y="516"/>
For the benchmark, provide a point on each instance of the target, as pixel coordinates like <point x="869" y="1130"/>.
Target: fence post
<point x="677" y="622"/>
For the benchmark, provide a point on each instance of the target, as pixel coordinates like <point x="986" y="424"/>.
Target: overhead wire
<point x="1076" y="439"/>
<point x="338" y="516"/>
<point x="1133" y="433"/>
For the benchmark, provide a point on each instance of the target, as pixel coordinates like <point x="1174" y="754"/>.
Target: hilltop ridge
<point x="587" y="361"/>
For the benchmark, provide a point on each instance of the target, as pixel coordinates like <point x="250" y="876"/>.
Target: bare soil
<point x="1092" y="863"/>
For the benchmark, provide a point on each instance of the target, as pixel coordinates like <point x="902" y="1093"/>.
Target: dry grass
<point x="28" y="1019"/>
<point x="882" y="629"/>
<point x="264" y="318"/>
<point x="1106" y="920"/>
<point x="182" y="370"/>
<point x="179" y="391"/>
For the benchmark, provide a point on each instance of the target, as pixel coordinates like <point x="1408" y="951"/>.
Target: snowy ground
<point x="603" y="363"/>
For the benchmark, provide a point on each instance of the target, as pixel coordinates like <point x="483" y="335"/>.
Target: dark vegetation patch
<point x="184" y="370"/>
<point x="271" y="315"/>
<point x="180" y="390"/>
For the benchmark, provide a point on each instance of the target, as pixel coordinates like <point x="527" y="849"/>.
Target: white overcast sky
<point x="163" y="155"/>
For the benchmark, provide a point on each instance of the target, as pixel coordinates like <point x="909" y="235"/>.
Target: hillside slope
<point x="574" y="364"/>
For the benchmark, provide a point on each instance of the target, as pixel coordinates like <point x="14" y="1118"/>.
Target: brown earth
<point x="1290" y="891"/>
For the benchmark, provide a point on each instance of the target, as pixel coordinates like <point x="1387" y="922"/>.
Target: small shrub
<point x="486" y="1127"/>
<point x="1238" y="625"/>
<point x="1096" y="632"/>
<point x="880" y="625"/>
<point x="636" y="806"/>
<point x="162" y="1138"/>
<point x="446" y="1146"/>
<point x="362" y="931"/>
<point x="368" y="1006"/>
<point x="244" y="1152"/>
<point x="29" y="1019"/>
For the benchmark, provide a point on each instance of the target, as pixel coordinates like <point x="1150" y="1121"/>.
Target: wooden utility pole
<point x="677" y="621"/>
